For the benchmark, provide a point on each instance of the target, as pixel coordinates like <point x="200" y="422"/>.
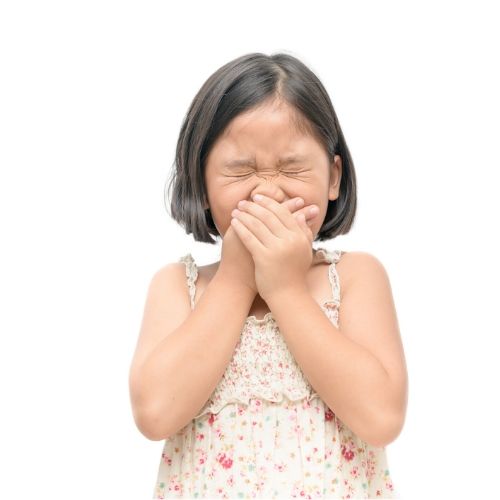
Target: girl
<point x="268" y="374"/>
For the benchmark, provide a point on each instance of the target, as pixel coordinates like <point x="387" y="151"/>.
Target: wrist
<point x="228" y="280"/>
<point x="287" y="295"/>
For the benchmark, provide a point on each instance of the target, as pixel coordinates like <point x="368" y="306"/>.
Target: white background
<point x="92" y="98"/>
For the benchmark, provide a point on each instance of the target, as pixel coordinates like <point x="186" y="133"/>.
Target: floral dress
<point x="264" y="432"/>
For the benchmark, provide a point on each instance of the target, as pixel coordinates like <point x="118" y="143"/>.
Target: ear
<point x="335" y="176"/>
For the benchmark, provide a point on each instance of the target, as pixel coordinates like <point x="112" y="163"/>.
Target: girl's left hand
<point x="280" y="245"/>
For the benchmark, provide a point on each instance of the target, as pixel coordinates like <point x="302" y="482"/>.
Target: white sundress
<point x="264" y="432"/>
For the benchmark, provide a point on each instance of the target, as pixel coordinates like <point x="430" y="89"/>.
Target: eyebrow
<point x="250" y="162"/>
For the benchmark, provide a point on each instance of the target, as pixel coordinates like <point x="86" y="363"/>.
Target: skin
<point x="357" y="368"/>
<point x="267" y="133"/>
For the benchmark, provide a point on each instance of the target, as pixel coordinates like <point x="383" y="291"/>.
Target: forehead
<point x="277" y="116"/>
<point x="269" y="130"/>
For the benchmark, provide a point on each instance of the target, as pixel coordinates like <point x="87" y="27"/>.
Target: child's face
<point x="266" y="134"/>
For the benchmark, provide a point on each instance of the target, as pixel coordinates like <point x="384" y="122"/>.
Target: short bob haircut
<point x="236" y="87"/>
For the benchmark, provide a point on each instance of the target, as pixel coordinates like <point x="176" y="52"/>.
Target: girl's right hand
<point x="237" y="262"/>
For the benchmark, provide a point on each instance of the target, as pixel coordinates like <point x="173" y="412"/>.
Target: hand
<point x="237" y="262"/>
<point x="279" y="243"/>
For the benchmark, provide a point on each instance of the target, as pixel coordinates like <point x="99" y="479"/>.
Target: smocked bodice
<point x="262" y="365"/>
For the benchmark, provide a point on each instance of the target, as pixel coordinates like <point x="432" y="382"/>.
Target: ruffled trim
<point x="211" y="407"/>
<point x="191" y="275"/>
<point x="333" y="256"/>
<point x="329" y="306"/>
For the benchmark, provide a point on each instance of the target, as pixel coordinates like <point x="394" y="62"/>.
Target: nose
<point x="271" y="190"/>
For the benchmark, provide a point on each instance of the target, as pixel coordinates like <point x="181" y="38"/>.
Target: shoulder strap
<point x="333" y="256"/>
<point x="191" y="275"/>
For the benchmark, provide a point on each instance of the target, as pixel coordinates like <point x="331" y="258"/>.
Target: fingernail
<point x="313" y="210"/>
<point x="299" y="202"/>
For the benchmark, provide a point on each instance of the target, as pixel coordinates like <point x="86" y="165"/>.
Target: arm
<point x="357" y="369"/>
<point x="172" y="382"/>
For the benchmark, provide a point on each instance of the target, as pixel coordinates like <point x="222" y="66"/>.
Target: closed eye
<point x="286" y="173"/>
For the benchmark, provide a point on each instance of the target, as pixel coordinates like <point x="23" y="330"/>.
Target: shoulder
<point x="172" y="269"/>
<point x="176" y="274"/>
<point x="169" y="277"/>
<point x="358" y="267"/>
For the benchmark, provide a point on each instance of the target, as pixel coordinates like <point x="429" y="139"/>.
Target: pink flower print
<point x="329" y="414"/>
<point x="370" y="465"/>
<point x="174" y="485"/>
<point x="226" y="462"/>
<point x="347" y="450"/>
<point x="200" y="436"/>
<point x="166" y="459"/>
<point x="349" y="487"/>
<point x="211" y="419"/>
<point x="355" y="472"/>
<point x="280" y="467"/>
<point x="202" y="456"/>
<point x="340" y="426"/>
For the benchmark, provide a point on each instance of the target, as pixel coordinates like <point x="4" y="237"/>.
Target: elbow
<point x="389" y="423"/>
<point x="151" y="425"/>
<point x="386" y="432"/>
<point x="149" y="421"/>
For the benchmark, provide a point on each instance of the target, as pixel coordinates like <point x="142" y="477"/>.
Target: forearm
<point x="348" y="377"/>
<point x="181" y="373"/>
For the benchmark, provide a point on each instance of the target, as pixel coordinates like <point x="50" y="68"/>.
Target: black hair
<point x="238" y="86"/>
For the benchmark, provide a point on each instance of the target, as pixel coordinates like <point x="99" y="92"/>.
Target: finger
<point x="308" y="214"/>
<point x="293" y="204"/>
<point x="255" y="223"/>
<point x="305" y="228"/>
<point x="252" y="244"/>
<point x="265" y="224"/>
<point x="296" y="206"/>
<point x="282" y="221"/>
